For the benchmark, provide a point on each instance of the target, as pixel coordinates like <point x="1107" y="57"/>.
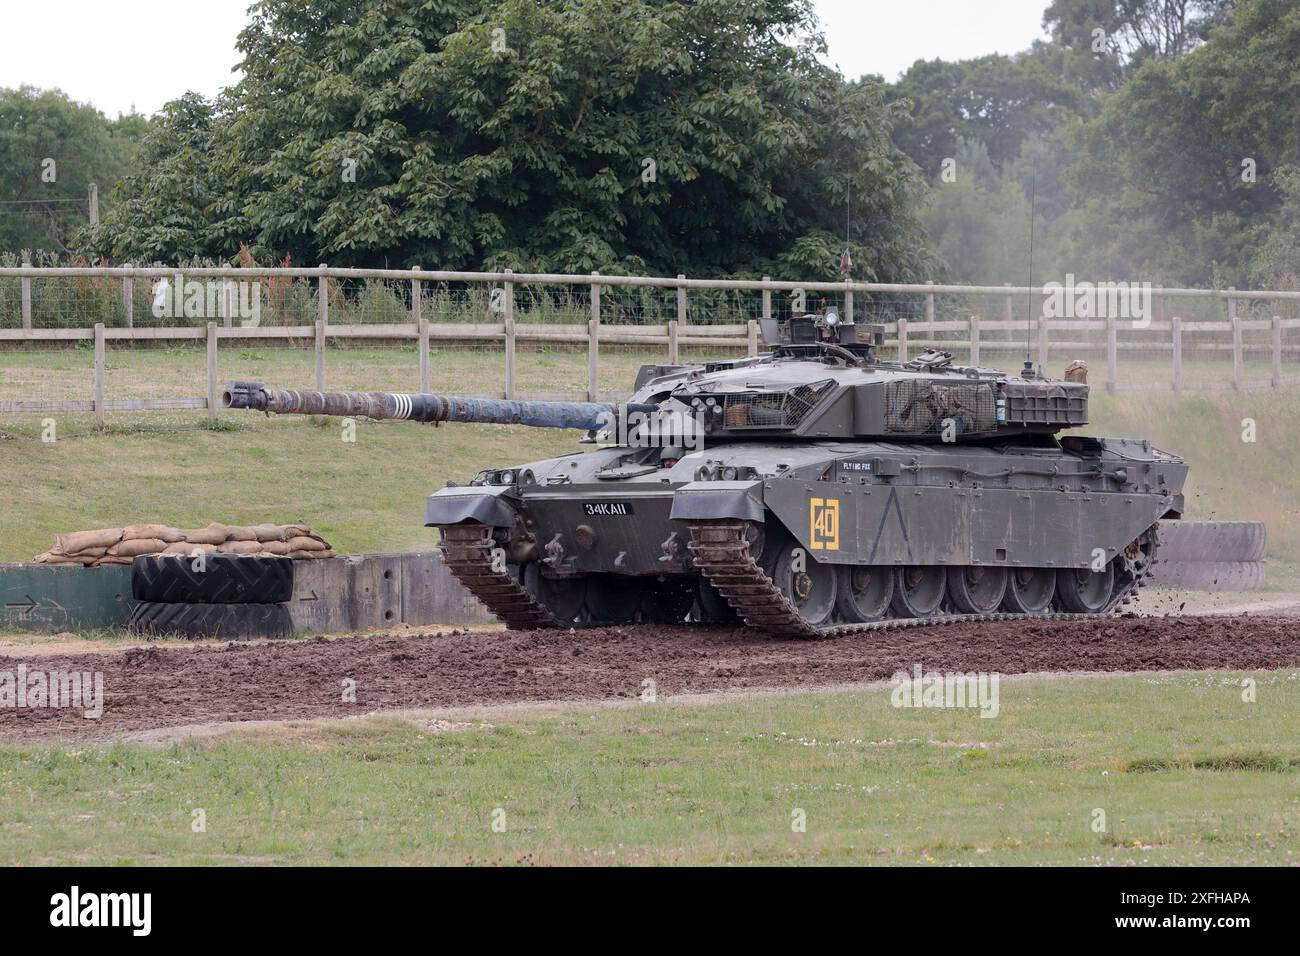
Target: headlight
<point x="729" y="473"/>
<point x="507" y="477"/>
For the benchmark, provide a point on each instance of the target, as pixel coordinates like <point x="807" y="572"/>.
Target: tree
<point x="1179" y="173"/>
<point x="621" y="135"/>
<point x="51" y="149"/>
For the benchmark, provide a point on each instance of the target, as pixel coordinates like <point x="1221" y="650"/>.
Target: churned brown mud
<point x="152" y="687"/>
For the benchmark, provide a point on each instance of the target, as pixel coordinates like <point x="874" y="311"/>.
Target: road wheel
<point x="918" y="590"/>
<point x="713" y="608"/>
<point x="223" y="621"/>
<point x="1029" y="590"/>
<point x="565" y="598"/>
<point x="864" y="592"/>
<point x="614" y="598"/>
<point x="1084" y="591"/>
<point x="211" y="579"/>
<point x="668" y="601"/>
<point x="977" y="588"/>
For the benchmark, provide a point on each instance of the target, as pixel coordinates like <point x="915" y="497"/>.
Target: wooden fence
<point x="1165" y="333"/>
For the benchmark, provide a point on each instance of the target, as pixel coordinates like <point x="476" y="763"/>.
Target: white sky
<point x="142" y="53"/>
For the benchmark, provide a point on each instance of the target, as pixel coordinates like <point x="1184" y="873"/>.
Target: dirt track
<point x="167" y="687"/>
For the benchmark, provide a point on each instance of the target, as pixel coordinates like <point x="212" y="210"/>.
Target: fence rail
<point x="1246" y="338"/>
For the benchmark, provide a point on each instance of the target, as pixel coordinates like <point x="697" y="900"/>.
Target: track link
<point x="467" y="552"/>
<point x="721" y="552"/>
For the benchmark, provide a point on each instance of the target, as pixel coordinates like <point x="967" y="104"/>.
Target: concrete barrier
<point x="331" y="595"/>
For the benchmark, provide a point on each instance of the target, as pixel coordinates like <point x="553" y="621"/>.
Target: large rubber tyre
<point x="225" y="579"/>
<point x="1208" y="575"/>
<point x="199" y="621"/>
<point x="1213" y="541"/>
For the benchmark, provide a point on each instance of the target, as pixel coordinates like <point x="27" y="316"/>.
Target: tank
<point x="808" y="491"/>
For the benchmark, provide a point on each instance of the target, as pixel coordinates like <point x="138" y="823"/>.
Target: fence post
<point x="99" y="374"/>
<point x="593" y="341"/>
<point x="929" y="302"/>
<point x="1009" y="306"/>
<point x="752" y="329"/>
<point x="320" y="355"/>
<point x="128" y="300"/>
<point x="681" y="301"/>
<point x="1277" y="351"/>
<point x="1237" y="370"/>
<point x="510" y="333"/>
<point x="767" y="299"/>
<point x="323" y="297"/>
<point x="902" y="332"/>
<point x="26" y="283"/>
<point x="1176" y="326"/>
<point x="421" y="329"/>
<point x="848" y="306"/>
<point x="974" y="340"/>
<point x="672" y="341"/>
<point x="228" y="301"/>
<point x="1112" y="355"/>
<point x="1044" y="344"/>
<point x="92" y="200"/>
<point x="212" y="371"/>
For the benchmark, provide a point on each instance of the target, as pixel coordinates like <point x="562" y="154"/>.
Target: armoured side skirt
<point x="910" y="524"/>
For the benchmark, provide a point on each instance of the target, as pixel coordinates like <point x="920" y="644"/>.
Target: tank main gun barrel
<point x="425" y="407"/>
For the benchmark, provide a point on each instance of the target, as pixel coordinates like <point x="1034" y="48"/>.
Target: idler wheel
<point x="918" y="590"/>
<point x="977" y="588"/>
<point x="806" y="583"/>
<point x="1084" y="591"/>
<point x="1029" y="590"/>
<point x="865" y="591"/>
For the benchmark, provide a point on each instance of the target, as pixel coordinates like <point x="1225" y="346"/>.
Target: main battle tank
<point x="807" y="491"/>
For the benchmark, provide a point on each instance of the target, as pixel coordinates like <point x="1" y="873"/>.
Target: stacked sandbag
<point x="123" y="545"/>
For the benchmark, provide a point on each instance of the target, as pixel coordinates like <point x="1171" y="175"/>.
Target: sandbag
<point x="214" y="533"/>
<point x="305" y="543"/>
<point x="135" y="546"/>
<point x="269" y="532"/>
<point x="75" y="542"/>
<point x="238" y="533"/>
<point x="162" y="532"/>
<point x="240" y="547"/>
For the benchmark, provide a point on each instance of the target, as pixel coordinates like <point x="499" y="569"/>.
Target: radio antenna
<point x="1029" y="316"/>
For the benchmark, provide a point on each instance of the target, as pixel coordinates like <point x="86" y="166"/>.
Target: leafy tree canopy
<point x="622" y="135"/>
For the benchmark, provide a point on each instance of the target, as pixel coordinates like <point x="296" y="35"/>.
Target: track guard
<point x="708" y="500"/>
<point x="485" y="505"/>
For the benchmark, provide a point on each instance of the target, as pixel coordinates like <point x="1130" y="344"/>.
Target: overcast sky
<point x="142" y="53"/>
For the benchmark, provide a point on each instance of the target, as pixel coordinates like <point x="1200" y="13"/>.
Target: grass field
<point x="368" y="496"/>
<point x="1185" y="772"/>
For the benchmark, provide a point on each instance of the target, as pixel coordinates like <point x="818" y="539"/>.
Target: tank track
<point x="467" y="553"/>
<point x="721" y="552"/>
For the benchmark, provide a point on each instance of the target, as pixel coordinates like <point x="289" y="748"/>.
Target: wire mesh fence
<point x="165" y="338"/>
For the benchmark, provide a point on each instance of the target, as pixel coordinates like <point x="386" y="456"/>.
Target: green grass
<point x="368" y="496"/>
<point x="1185" y="772"/>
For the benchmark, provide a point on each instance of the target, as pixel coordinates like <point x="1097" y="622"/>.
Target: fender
<point x="485" y="505"/>
<point x="702" y="500"/>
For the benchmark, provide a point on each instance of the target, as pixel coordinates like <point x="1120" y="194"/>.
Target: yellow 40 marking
<point x="824" y="513"/>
